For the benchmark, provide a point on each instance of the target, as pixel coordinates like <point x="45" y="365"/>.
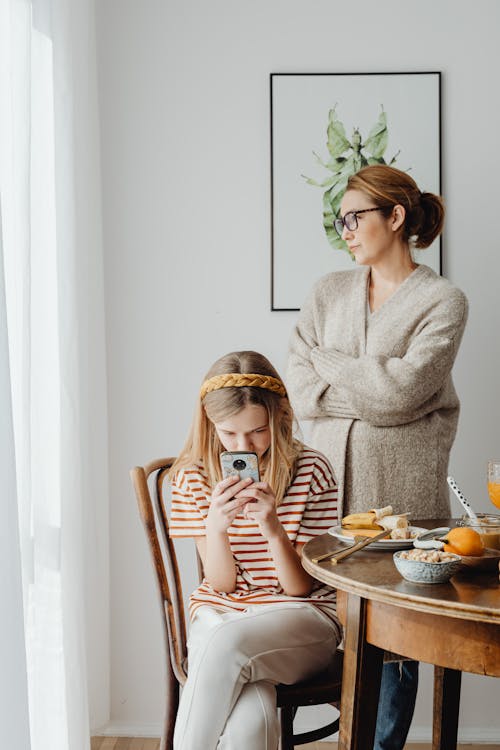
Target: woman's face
<point x="374" y="235"/>
<point x="247" y="430"/>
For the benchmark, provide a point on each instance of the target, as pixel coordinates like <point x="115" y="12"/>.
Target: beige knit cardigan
<point x="379" y="389"/>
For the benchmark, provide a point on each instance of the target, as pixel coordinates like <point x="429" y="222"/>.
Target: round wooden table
<point x="455" y="626"/>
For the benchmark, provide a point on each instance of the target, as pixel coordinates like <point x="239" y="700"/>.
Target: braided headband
<point x="239" y="380"/>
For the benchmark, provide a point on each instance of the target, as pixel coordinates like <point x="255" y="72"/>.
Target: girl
<point x="258" y="618"/>
<point x="370" y="363"/>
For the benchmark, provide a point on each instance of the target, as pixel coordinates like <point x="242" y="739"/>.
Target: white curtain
<point x="49" y="213"/>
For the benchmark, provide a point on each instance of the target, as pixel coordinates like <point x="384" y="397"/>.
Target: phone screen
<point x="241" y="463"/>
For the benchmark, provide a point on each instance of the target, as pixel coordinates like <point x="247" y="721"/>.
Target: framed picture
<point x="361" y="118"/>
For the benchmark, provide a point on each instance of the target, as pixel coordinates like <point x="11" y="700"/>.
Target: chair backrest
<point x="153" y="512"/>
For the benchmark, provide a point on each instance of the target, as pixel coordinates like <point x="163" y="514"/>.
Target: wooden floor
<point x="144" y="743"/>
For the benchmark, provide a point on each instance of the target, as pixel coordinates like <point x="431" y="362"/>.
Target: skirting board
<point x="127" y="729"/>
<point x="467" y="735"/>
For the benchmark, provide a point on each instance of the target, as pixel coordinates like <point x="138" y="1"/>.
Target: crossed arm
<point x="381" y="390"/>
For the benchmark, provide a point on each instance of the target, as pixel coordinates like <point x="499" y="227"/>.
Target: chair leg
<point x="287" y="714"/>
<point x="172" y="704"/>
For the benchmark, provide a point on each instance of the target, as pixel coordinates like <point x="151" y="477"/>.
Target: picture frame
<point x="395" y="114"/>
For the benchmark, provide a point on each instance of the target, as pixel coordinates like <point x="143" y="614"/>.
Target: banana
<point x="394" y="522"/>
<point x="381" y="512"/>
<point x="362" y="525"/>
<point x="360" y="521"/>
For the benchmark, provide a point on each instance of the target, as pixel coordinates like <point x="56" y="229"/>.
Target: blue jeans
<point x="398" y="692"/>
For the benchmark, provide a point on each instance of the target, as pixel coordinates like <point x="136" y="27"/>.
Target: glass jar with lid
<point x="488" y="525"/>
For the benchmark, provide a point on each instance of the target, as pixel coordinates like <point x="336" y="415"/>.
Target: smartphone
<point x="240" y="463"/>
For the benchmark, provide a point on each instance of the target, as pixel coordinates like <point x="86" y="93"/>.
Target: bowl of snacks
<point x="427" y="566"/>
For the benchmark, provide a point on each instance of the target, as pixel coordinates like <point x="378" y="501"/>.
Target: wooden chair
<point x="322" y="689"/>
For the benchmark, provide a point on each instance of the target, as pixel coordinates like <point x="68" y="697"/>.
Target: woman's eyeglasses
<point x="350" y="220"/>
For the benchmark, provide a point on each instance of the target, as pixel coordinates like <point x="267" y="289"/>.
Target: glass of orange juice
<point x="494" y="481"/>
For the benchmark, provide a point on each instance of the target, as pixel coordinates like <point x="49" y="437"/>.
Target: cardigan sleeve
<point x="388" y="391"/>
<point x="312" y="394"/>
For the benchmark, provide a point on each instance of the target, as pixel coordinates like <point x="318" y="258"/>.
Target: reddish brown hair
<point x="387" y="187"/>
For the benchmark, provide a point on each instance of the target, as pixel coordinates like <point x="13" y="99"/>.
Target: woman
<point x="370" y="363"/>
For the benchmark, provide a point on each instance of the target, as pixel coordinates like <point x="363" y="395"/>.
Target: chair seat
<point x="324" y="687"/>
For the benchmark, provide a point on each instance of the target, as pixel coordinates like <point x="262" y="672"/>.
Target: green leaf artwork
<point x="346" y="158"/>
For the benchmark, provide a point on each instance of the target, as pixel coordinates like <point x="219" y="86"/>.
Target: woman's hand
<point x="261" y="507"/>
<point x="224" y="506"/>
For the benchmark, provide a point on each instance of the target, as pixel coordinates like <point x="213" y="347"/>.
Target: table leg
<point x="446" y="707"/>
<point x="360" y="680"/>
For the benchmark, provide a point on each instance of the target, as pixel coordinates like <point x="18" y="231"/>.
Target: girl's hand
<point x="224" y="506"/>
<point x="261" y="507"/>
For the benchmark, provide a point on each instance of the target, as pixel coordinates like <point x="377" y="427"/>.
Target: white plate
<point x="388" y="544"/>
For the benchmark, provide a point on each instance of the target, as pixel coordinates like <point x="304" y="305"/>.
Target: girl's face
<point x="370" y="241"/>
<point x="247" y="430"/>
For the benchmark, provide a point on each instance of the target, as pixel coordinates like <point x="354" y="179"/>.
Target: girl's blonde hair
<point x="203" y="444"/>
<point x="388" y="186"/>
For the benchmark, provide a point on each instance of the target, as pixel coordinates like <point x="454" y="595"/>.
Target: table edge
<point x="400" y="599"/>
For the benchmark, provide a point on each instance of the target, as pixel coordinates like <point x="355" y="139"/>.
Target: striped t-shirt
<point x="308" y="509"/>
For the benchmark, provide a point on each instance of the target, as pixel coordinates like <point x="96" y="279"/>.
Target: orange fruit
<point x="464" y="541"/>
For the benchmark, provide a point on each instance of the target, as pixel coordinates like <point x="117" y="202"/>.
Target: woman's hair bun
<point x="431" y="219"/>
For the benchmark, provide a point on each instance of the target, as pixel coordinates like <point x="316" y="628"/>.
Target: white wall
<point x="184" y="96"/>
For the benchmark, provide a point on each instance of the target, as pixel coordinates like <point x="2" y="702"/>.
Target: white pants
<point x="235" y="661"/>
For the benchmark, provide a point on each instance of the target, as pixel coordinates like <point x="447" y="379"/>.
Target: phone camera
<point x="239" y="464"/>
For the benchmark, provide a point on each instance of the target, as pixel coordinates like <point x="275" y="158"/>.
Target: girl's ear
<point x="398" y="217"/>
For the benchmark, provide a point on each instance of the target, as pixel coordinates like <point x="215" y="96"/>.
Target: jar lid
<point x="487" y="520"/>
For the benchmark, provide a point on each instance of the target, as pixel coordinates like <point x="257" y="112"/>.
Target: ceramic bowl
<point x="417" y="571"/>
